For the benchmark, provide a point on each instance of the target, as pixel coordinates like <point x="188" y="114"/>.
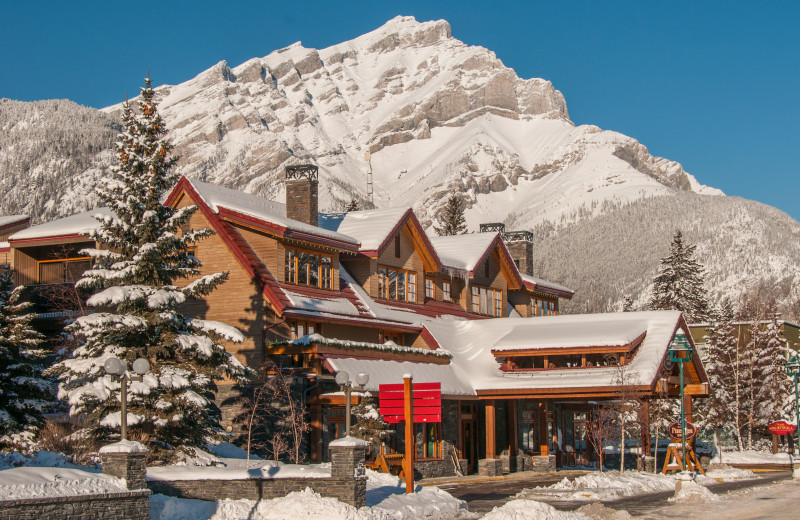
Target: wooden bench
<point x="389" y="463"/>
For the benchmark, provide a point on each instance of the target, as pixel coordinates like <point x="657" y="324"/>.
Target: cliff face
<point x="434" y="115"/>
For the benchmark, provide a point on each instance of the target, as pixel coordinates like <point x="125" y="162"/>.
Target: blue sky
<point x="712" y="85"/>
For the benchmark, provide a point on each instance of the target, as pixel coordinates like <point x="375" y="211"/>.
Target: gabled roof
<point x="468" y="252"/>
<point x="74" y="226"/>
<point x="258" y="212"/>
<point x="374" y="229"/>
<point x="12" y="220"/>
<point x="537" y="284"/>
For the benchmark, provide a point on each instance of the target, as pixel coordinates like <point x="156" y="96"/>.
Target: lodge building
<point x="369" y="291"/>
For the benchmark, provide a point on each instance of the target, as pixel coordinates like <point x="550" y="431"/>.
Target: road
<point x="772" y="493"/>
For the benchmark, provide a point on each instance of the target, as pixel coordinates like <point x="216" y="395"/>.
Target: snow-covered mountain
<point x="428" y="115"/>
<point x="435" y="114"/>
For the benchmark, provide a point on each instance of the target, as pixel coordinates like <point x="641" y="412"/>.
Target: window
<point x="486" y="268"/>
<point x="302" y="328"/>
<point x="446" y="292"/>
<point x="308" y="268"/>
<point x="542" y="307"/>
<point x="388" y="335"/>
<point x="487" y="301"/>
<point x="68" y="270"/>
<point x="530" y="441"/>
<point x="429" y="440"/>
<point x="430" y="288"/>
<point x="394" y="284"/>
<point x="397" y="246"/>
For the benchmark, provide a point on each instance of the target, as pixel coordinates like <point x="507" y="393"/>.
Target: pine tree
<point x="451" y="219"/>
<point x="723" y="364"/>
<point x="351" y="206"/>
<point x="142" y="253"/>
<point x="774" y="389"/>
<point x="679" y="284"/>
<point x="369" y="425"/>
<point x="24" y="393"/>
<point x="627" y="303"/>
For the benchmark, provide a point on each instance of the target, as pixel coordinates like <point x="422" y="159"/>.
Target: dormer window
<point x="487" y="301"/>
<point x="307" y="268"/>
<point x="397" y="284"/>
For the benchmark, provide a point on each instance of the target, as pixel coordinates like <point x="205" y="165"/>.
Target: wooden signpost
<point x="680" y="447"/>
<point x="410" y="403"/>
<point x="779" y="429"/>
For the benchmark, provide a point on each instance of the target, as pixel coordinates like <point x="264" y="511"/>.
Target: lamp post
<point x="680" y="351"/>
<point x="793" y="369"/>
<point x="343" y="380"/>
<point x="117" y="367"/>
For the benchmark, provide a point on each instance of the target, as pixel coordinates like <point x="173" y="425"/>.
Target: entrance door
<point x="583" y="456"/>
<point x="469" y="436"/>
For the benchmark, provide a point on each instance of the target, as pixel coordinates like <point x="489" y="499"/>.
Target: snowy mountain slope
<point x="51" y="153"/>
<point x="740" y="243"/>
<point x="434" y="113"/>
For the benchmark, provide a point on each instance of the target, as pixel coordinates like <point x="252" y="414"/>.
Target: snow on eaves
<point x="452" y="379"/>
<point x="11" y="219"/>
<point x="79" y="224"/>
<point x="217" y="197"/>
<point x="544" y="284"/>
<point x="463" y="251"/>
<point x="370" y="227"/>
<point x="389" y="346"/>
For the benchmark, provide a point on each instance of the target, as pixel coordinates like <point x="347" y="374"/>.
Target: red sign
<point x="427" y="402"/>
<point x="781" y="428"/>
<point x="676" y="433"/>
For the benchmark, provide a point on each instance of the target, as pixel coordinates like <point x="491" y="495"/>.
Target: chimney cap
<point x="490" y="227"/>
<point x="302" y="171"/>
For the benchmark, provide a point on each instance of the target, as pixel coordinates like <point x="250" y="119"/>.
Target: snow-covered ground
<point x="754" y="457"/>
<point x="612" y="485"/>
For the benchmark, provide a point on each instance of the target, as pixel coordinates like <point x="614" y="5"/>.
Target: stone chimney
<point x="302" y="193"/>
<point x="519" y="244"/>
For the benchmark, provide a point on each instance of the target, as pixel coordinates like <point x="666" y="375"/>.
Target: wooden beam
<point x="543" y="446"/>
<point x="687" y="406"/>
<point x="491" y="450"/>
<point x="512" y="428"/>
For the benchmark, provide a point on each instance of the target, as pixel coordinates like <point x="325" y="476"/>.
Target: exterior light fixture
<point x="116" y="367"/>
<point x="342" y="379"/>
<point x="680" y="351"/>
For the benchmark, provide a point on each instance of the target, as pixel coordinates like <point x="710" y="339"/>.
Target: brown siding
<point x="364" y="270"/>
<point x="24" y="267"/>
<point x="237" y="302"/>
<point x="409" y="259"/>
<point x="7" y="232"/>
<point x="349" y="332"/>
<point x="521" y="301"/>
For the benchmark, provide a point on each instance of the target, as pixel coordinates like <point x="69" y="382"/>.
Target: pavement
<point x="482" y="494"/>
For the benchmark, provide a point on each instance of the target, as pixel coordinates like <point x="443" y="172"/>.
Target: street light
<point x="343" y="380"/>
<point x="793" y="369"/>
<point x="680" y="351"/>
<point x="117" y="367"/>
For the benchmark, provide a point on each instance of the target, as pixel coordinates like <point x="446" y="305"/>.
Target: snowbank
<point x="693" y="493"/>
<point x="753" y="457"/>
<point x="529" y="509"/>
<point x="431" y="503"/>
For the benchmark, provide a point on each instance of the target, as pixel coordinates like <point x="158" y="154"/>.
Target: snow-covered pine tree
<point x="774" y="390"/>
<point x="450" y="220"/>
<point x="369" y="425"/>
<point x="142" y="253"/>
<point x="24" y="393"/>
<point x="679" y="284"/>
<point x="351" y="206"/>
<point x="721" y="361"/>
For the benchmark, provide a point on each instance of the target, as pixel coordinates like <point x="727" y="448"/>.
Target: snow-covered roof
<point x="473" y="368"/>
<point x="544" y="285"/>
<point x="463" y="251"/>
<point x="78" y="224"/>
<point x="380" y="372"/>
<point x="534" y="334"/>
<point x="217" y="197"/>
<point x="11" y="219"/>
<point x="370" y="227"/>
<point x="471" y="344"/>
<point x="388" y="346"/>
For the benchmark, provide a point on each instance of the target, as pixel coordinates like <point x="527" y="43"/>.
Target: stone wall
<point x="132" y="505"/>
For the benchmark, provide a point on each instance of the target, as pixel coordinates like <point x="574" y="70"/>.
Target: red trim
<point x="26" y="220"/>
<point x="285" y="232"/>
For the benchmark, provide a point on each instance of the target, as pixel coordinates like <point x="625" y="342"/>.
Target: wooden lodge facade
<point x="370" y="291"/>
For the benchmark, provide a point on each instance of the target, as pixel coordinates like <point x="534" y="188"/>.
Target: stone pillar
<point x="347" y="467"/>
<point x="126" y="460"/>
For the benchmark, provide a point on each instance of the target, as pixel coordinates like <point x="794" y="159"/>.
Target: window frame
<point x="430" y="288"/>
<point x="447" y="291"/>
<point x="292" y="273"/>
<point x="394" y="282"/>
<point x="487" y="301"/>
